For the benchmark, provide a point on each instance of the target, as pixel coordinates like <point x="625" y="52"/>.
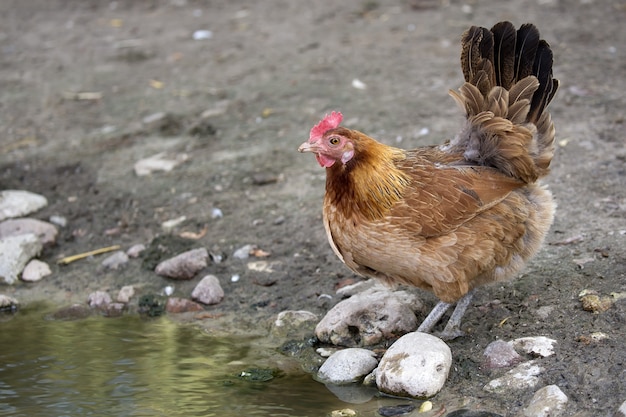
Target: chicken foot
<point x="453" y="327"/>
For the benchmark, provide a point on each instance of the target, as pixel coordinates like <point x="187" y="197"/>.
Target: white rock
<point x="185" y="265"/>
<point x="35" y="270"/>
<point x="538" y="345"/>
<point x="16" y="252"/>
<point x="58" y="220"/>
<point x="290" y="322"/>
<point x="126" y="293"/>
<point x="621" y="412"/>
<point x="416" y="365"/>
<point x="8" y="303"/>
<point x="135" y="250"/>
<point x="115" y="260"/>
<point x="525" y="375"/>
<point x="17" y="203"/>
<point x="548" y="401"/>
<point x="46" y="232"/>
<point x="200" y="35"/>
<point x="99" y="299"/>
<point x="158" y="162"/>
<point x="243" y="252"/>
<point x="291" y="318"/>
<point x="347" y="366"/>
<point x="368" y="318"/>
<point x="208" y="290"/>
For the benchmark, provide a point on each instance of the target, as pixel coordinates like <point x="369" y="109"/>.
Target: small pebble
<point x="135" y="250"/>
<point x="243" y="252"/>
<point x="115" y="260"/>
<point x="216" y="213"/>
<point x="208" y="291"/>
<point x="99" y="299"/>
<point x="177" y="305"/>
<point x="58" y="220"/>
<point x="500" y="354"/>
<point x="169" y="290"/>
<point x="185" y="265"/>
<point x="200" y="35"/>
<point x="126" y="293"/>
<point x="35" y="270"/>
<point x="235" y="278"/>
<point x="538" y="345"/>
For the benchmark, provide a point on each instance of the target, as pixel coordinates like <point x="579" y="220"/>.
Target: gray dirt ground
<point x="271" y="70"/>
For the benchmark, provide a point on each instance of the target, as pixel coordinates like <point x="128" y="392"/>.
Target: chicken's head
<point x="329" y="145"/>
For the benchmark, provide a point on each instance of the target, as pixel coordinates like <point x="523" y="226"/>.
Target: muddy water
<point x="133" y="367"/>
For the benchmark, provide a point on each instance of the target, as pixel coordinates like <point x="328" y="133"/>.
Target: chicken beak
<point x="309" y="147"/>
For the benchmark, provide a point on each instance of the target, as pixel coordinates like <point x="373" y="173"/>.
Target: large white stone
<point x="16" y="251"/>
<point x="17" y="203"/>
<point x="369" y="318"/>
<point x="416" y="365"/>
<point x="347" y="366"/>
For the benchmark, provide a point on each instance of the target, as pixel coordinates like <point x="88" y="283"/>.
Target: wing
<point x="445" y="194"/>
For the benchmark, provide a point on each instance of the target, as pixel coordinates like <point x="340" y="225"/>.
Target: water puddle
<point x="130" y="366"/>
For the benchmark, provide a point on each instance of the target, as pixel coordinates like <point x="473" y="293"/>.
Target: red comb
<point x="331" y="121"/>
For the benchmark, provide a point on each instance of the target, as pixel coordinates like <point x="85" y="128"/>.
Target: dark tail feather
<point x="509" y="83"/>
<point x="504" y="36"/>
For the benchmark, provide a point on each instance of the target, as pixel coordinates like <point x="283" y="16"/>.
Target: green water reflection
<point x="133" y="367"/>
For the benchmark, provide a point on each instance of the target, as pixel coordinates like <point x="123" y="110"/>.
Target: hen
<point x="452" y="217"/>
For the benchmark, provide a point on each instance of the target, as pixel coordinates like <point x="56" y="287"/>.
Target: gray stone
<point x="16" y="252"/>
<point x="416" y="365"/>
<point x="292" y="322"/>
<point x="17" y="203"/>
<point x="185" y="265"/>
<point x="115" y="260"/>
<point x="46" y="232"/>
<point x="8" y="303"/>
<point x="126" y="293"/>
<point x="99" y="300"/>
<point x="368" y="318"/>
<point x="548" y="401"/>
<point x="500" y="354"/>
<point x="135" y="250"/>
<point x="525" y="375"/>
<point x="35" y="270"/>
<point x="347" y="366"/>
<point x="208" y="290"/>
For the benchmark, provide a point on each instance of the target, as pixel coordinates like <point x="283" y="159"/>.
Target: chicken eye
<point x="334" y="140"/>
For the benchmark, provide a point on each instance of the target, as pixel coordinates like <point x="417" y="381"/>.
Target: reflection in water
<point x="134" y="367"/>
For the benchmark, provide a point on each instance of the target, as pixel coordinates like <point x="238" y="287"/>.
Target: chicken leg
<point x="453" y="327"/>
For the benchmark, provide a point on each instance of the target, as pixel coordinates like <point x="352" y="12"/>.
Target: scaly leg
<point x="453" y="327"/>
<point x="433" y="317"/>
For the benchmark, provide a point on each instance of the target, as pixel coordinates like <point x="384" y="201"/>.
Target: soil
<point x="239" y="103"/>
